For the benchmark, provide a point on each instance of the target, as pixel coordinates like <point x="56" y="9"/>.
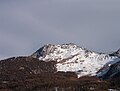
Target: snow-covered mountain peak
<point x="49" y="49"/>
<point x="56" y="52"/>
<point x="70" y="57"/>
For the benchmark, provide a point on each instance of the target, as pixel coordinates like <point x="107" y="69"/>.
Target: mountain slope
<point x="31" y="74"/>
<point x="110" y="70"/>
<point x="70" y="57"/>
<point x="21" y="67"/>
<point x="42" y="70"/>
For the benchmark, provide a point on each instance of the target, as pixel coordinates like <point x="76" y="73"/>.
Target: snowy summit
<point x="70" y="57"/>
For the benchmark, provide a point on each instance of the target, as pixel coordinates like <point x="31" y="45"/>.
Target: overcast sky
<point x="26" y="25"/>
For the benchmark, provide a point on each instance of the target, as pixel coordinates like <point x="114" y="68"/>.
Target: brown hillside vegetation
<point x="31" y="74"/>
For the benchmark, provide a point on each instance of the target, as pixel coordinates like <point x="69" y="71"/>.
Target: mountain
<point x="32" y="74"/>
<point x="70" y="57"/>
<point x="65" y="67"/>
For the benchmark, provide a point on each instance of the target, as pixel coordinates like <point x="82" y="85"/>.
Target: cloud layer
<point x="26" y="25"/>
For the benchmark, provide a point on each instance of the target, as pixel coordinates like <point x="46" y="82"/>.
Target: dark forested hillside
<point x="31" y="74"/>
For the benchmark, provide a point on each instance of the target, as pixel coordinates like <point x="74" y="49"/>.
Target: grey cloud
<point x="26" y="25"/>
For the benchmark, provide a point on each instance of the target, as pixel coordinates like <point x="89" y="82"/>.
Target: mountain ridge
<point x="65" y="67"/>
<point x="70" y="57"/>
